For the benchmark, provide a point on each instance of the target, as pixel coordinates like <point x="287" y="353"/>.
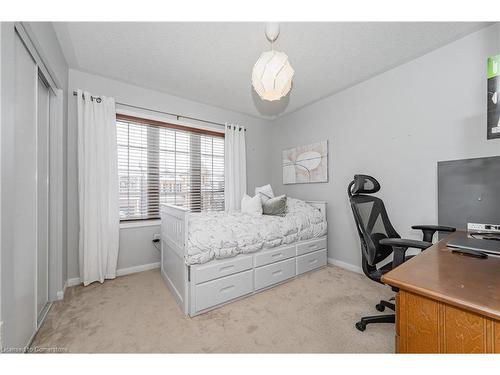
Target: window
<point x="165" y="163"/>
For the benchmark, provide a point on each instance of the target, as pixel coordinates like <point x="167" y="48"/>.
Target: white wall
<point x="135" y="244"/>
<point x="1" y="321"/>
<point x="7" y="48"/>
<point x="6" y="129"/>
<point x="47" y="45"/>
<point x="395" y="126"/>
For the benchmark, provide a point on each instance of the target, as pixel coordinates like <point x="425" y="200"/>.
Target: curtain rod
<point x="98" y="100"/>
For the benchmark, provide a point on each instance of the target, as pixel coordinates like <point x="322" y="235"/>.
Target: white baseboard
<point x="345" y="265"/>
<point x="73" y="282"/>
<point x="121" y="272"/>
<point x="135" y="269"/>
<point x="60" y="293"/>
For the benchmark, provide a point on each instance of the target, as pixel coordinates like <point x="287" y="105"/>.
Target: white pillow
<point x="265" y="192"/>
<point x="252" y="206"/>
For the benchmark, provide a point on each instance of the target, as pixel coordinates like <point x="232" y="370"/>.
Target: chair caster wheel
<point x="380" y="307"/>
<point x="360" y="326"/>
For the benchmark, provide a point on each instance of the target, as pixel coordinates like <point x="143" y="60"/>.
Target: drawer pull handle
<point x="312" y="261"/>
<point x="226" y="289"/>
<point x="276" y="255"/>
<point x="278" y="272"/>
<point x="225" y="268"/>
<point x="313" y="246"/>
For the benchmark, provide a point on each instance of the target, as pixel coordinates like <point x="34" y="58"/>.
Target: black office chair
<point x="379" y="239"/>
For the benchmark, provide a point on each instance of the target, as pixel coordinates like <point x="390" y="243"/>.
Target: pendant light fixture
<point x="272" y="73"/>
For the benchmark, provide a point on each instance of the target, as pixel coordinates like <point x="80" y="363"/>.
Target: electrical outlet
<point x="475" y="227"/>
<point x="156" y="236"/>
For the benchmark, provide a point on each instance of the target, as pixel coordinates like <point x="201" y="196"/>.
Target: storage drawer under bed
<point x="310" y="246"/>
<point x="211" y="271"/>
<point x="218" y="291"/>
<point x="274" y="255"/>
<point x="311" y="261"/>
<point x="274" y="273"/>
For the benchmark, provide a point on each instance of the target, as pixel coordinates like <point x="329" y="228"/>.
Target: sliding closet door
<point x="42" y="198"/>
<point x="23" y="310"/>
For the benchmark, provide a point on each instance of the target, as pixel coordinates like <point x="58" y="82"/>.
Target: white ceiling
<point x="212" y="62"/>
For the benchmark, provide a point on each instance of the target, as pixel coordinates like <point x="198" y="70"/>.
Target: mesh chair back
<point x="371" y="219"/>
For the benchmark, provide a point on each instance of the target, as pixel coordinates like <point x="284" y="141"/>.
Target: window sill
<point x="140" y="223"/>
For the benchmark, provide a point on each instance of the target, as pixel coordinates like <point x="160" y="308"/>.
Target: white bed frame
<point x="203" y="287"/>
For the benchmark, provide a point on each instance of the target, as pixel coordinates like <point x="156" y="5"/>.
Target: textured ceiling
<point x="212" y="62"/>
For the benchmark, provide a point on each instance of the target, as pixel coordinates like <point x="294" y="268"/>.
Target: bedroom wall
<point x="1" y="87"/>
<point x="395" y="126"/>
<point x="136" y="249"/>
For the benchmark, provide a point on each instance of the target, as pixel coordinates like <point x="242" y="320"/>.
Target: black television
<point x="469" y="192"/>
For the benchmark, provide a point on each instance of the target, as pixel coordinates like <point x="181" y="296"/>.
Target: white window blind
<point x="164" y="163"/>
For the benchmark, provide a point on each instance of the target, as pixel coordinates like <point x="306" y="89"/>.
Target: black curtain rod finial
<point x="97" y="99"/>
<point x="240" y="128"/>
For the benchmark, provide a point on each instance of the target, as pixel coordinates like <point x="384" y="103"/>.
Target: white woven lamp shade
<point x="272" y="75"/>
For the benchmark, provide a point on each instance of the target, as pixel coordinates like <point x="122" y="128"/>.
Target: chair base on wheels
<point x="383" y="304"/>
<point x="361" y="325"/>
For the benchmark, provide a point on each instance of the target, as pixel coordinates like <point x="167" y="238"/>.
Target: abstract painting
<point x="306" y="164"/>
<point x="493" y="119"/>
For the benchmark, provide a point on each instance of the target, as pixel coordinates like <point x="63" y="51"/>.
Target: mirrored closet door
<point x="27" y="182"/>
<point x="42" y="254"/>
<point x="23" y="201"/>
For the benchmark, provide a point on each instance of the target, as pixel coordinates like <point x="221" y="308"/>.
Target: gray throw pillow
<point x="275" y="206"/>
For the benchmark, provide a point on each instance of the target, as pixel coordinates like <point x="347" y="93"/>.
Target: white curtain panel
<point x="97" y="188"/>
<point x="235" y="166"/>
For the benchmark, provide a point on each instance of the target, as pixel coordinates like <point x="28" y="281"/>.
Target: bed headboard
<point x="320" y="205"/>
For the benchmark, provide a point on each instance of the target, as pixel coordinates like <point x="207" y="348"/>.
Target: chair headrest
<point x="363" y="184"/>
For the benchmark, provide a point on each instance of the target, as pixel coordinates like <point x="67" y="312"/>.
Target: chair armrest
<point x="440" y="228"/>
<point x="429" y="230"/>
<point x="401" y="242"/>
<point x="400" y="245"/>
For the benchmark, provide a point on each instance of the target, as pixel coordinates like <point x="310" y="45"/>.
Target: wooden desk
<point x="447" y="303"/>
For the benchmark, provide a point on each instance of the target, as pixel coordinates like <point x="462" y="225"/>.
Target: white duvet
<point x="216" y="235"/>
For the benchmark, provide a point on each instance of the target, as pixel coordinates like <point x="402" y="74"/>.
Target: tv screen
<point x="469" y="192"/>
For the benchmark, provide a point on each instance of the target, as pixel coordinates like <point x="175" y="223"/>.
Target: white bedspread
<point x="227" y="234"/>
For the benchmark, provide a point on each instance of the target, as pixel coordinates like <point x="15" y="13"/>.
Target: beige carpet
<point x="136" y="313"/>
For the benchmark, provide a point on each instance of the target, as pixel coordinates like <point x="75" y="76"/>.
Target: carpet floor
<point x="314" y="313"/>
